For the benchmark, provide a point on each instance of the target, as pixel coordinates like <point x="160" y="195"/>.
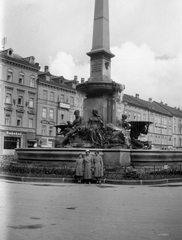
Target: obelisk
<point x="100" y="90"/>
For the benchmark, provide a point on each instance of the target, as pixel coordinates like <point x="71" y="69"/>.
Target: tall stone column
<point x="100" y="90"/>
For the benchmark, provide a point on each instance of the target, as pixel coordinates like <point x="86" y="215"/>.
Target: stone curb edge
<point x="104" y="181"/>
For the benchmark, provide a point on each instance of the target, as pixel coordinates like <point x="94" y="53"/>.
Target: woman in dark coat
<point x="79" y="168"/>
<point x="98" y="167"/>
<point x="88" y="163"/>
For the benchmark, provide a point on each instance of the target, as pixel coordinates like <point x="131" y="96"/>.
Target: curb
<point x="104" y="181"/>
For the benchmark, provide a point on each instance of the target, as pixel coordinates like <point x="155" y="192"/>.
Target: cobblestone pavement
<point x="47" y="211"/>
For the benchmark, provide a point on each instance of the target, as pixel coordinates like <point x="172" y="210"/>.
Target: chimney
<point x="82" y="80"/>
<point x="137" y="95"/>
<point x="75" y="78"/>
<point x="150" y="99"/>
<point x="46" y="69"/>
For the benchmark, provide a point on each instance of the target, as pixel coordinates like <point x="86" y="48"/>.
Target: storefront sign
<point x="161" y="126"/>
<point x="64" y="105"/>
<point x="13" y="133"/>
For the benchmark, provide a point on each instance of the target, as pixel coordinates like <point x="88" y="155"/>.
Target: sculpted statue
<point x="96" y="134"/>
<point x="95" y="127"/>
<point x="136" y="129"/>
<point x="74" y="127"/>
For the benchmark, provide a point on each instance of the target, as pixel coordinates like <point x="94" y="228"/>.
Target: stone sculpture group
<point x="96" y="134"/>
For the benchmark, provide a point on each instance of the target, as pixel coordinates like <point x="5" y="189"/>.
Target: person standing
<point x="79" y="168"/>
<point x="98" y="167"/>
<point x="88" y="163"/>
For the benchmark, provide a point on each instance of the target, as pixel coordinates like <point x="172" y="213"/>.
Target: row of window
<point x="20" y="100"/>
<point x="47" y="130"/>
<point x="45" y="112"/>
<point x="158" y="119"/>
<point x="63" y="98"/>
<point x="19" y="121"/>
<point x="21" y="78"/>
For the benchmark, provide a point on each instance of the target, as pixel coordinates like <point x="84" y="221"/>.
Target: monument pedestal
<point x="105" y="106"/>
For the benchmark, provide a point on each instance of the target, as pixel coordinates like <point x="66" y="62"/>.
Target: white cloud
<point x="142" y="73"/>
<point x="137" y="68"/>
<point x="65" y="65"/>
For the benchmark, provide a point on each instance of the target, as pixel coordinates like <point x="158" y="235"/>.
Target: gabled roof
<point x="10" y="56"/>
<point x="53" y="82"/>
<point x="147" y="105"/>
<point x="174" y="111"/>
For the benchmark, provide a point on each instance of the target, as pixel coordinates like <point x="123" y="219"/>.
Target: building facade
<point x="176" y="124"/>
<point x="57" y="99"/>
<point x="18" y="93"/>
<point x="160" y="132"/>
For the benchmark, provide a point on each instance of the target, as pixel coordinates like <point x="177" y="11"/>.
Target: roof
<point x="147" y="105"/>
<point x="174" y="111"/>
<point x="54" y="83"/>
<point x="13" y="57"/>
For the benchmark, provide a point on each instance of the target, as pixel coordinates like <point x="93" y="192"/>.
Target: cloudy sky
<point x="145" y="36"/>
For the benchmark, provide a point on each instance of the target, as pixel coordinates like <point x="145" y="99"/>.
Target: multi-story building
<point x="57" y="99"/>
<point x="160" y="132"/>
<point x="176" y="125"/>
<point x="17" y="100"/>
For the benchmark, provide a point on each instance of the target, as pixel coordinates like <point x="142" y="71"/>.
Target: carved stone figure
<point x="74" y="127"/>
<point x="95" y="127"/>
<point x="96" y="134"/>
<point x="136" y="129"/>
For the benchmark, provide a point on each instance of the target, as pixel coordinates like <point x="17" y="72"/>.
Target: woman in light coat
<point x="98" y="167"/>
<point x="88" y="163"/>
<point x="79" y="168"/>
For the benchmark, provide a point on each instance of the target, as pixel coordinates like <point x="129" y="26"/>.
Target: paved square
<point x="69" y="211"/>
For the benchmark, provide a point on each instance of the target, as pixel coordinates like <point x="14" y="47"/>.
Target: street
<point x="48" y="211"/>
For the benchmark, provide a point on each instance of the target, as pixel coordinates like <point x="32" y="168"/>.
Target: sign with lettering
<point x="64" y="105"/>
<point x="13" y="133"/>
<point x="160" y="125"/>
<point x="96" y="66"/>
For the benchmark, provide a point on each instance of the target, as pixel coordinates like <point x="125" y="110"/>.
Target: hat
<point x="87" y="150"/>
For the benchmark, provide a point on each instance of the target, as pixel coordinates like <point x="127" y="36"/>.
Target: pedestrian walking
<point x="98" y="167"/>
<point x="79" y="168"/>
<point x="88" y="163"/>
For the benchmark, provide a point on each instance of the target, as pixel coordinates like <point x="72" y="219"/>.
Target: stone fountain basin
<point x="115" y="157"/>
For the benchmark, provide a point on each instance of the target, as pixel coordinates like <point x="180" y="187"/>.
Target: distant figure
<point x="79" y="168"/>
<point x="98" y="167"/>
<point x="95" y="124"/>
<point x="125" y="129"/>
<point x="87" y="163"/>
<point x="73" y="127"/>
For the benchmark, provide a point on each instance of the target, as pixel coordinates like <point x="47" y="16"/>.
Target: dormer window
<point x="10" y="52"/>
<point x="32" y="59"/>
<point x="21" y="78"/>
<point x="47" y="78"/>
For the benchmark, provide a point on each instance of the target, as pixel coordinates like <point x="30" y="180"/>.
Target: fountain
<point x="97" y="129"/>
